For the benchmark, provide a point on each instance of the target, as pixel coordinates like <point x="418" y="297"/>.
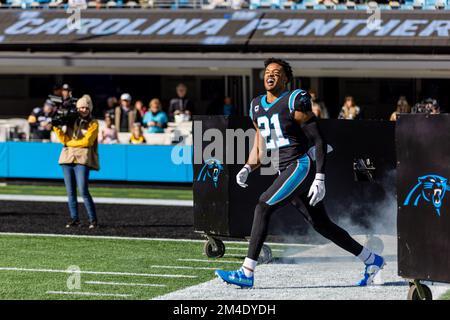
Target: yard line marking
<point x="210" y="261"/>
<point x="90" y="294"/>
<point x="100" y="272"/>
<point x="103" y="200"/>
<point x="182" y="267"/>
<point x="143" y="239"/>
<point x="125" y="284"/>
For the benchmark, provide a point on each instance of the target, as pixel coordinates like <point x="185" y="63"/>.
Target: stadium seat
<point x="418" y="4"/>
<point x="55" y="4"/>
<point x="330" y="5"/>
<point x="272" y="4"/>
<point x="92" y="4"/>
<point x="429" y="5"/>
<point x="407" y="5"/>
<point x="350" y="5"/>
<point x="111" y="4"/>
<point x="181" y="4"/>
<point x="319" y="7"/>
<point x="395" y="5"/>
<point x="132" y="4"/>
<point x="440" y="4"/>
<point x="309" y="4"/>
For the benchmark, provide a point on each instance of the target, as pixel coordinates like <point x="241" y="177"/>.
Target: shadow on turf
<point x="300" y="260"/>
<point x="386" y="284"/>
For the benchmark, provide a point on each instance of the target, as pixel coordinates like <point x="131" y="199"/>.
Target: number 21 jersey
<point x="278" y="127"/>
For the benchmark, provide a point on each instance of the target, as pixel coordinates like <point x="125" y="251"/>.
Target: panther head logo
<point x="211" y="169"/>
<point x="430" y="188"/>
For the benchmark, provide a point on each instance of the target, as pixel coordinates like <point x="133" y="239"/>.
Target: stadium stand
<point x="231" y="4"/>
<point x="17" y="129"/>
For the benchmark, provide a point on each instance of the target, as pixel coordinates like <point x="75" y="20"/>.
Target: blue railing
<point x="35" y="160"/>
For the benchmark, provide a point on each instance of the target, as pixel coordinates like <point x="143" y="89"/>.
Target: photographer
<point x="78" y="157"/>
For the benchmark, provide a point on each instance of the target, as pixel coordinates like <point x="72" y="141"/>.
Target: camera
<point x="66" y="111"/>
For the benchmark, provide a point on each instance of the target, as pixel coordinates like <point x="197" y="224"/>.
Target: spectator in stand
<point x="402" y="107"/>
<point x="66" y="92"/>
<point x="323" y="109"/>
<point x="350" y="111"/>
<point x="155" y="119"/>
<point x="125" y="115"/>
<point x="111" y="104"/>
<point x="141" y="108"/>
<point x="181" y="108"/>
<point x="40" y="121"/>
<point x="228" y="108"/>
<point x="137" y="137"/>
<point x="108" y="134"/>
<point x="57" y="90"/>
<point x="317" y="110"/>
<point x="429" y="106"/>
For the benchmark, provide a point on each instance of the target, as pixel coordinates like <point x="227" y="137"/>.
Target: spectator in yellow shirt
<point x="137" y="136"/>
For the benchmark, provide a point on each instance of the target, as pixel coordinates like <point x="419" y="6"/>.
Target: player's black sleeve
<point x="312" y="131"/>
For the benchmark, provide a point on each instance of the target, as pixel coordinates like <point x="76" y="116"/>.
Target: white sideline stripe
<point x="52" y="235"/>
<point x="100" y="272"/>
<point x="245" y="249"/>
<point x="125" y="284"/>
<point x="183" y="267"/>
<point x="154" y="202"/>
<point x="143" y="239"/>
<point x="90" y="294"/>
<point x="234" y="255"/>
<point x="210" y="261"/>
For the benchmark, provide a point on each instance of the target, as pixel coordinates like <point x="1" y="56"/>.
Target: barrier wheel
<point x="266" y="255"/>
<point x="214" y="248"/>
<point x="413" y="293"/>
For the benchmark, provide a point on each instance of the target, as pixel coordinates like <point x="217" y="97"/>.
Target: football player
<point x="285" y="124"/>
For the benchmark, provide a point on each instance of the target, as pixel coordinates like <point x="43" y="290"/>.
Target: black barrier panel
<point x="423" y="153"/>
<point x="353" y="200"/>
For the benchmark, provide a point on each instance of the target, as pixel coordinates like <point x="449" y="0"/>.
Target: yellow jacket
<point x="80" y="143"/>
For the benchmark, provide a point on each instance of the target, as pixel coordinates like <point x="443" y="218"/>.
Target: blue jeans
<point x="77" y="174"/>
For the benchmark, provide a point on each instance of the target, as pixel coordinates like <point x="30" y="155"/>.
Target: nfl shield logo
<point x="257" y="108"/>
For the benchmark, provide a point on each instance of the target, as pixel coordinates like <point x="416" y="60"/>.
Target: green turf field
<point x="100" y="192"/>
<point x="147" y="262"/>
<point x="446" y="296"/>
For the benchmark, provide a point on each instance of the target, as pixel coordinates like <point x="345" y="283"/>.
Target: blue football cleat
<point x="237" y="278"/>
<point x="371" y="271"/>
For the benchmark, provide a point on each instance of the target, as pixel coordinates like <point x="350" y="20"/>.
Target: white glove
<point x="242" y="176"/>
<point x="317" y="190"/>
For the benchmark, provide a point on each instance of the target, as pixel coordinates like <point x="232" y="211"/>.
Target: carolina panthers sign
<point x="211" y="170"/>
<point x="430" y="188"/>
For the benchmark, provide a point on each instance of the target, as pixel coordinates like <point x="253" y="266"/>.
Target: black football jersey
<point x="277" y="125"/>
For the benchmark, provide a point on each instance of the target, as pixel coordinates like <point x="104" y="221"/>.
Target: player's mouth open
<point x="270" y="82"/>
